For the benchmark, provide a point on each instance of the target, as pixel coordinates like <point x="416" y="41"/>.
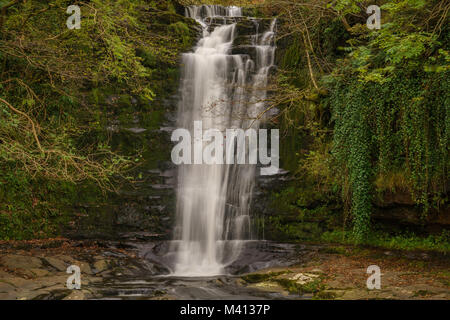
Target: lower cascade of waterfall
<point x="224" y="85"/>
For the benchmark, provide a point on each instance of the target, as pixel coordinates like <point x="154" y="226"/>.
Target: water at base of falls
<point x="223" y="90"/>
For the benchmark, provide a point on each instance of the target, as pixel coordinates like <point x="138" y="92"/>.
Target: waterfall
<point x="223" y="90"/>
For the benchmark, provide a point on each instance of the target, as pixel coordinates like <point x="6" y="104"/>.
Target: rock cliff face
<point x="145" y="209"/>
<point x="399" y="208"/>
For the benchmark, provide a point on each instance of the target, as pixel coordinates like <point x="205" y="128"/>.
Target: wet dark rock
<point x="251" y="26"/>
<point x="54" y="295"/>
<point x="168" y="173"/>
<point x="142" y="236"/>
<point x="250" y="51"/>
<point x="161" y="186"/>
<point x="244" y="40"/>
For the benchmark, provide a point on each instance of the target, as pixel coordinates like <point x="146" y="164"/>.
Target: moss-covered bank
<point x="97" y="98"/>
<point x="364" y="124"/>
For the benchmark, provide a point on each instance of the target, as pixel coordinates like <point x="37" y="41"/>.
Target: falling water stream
<point x="223" y="90"/>
<point x="224" y="85"/>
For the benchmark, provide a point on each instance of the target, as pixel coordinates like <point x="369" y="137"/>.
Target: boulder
<point x="40" y="272"/>
<point x="100" y="266"/>
<point x="58" y="264"/>
<point x="85" y="268"/>
<point x="75" y="295"/>
<point x="6" y="287"/>
<point x="12" y="261"/>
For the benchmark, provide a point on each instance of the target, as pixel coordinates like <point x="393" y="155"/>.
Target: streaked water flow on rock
<point x="223" y="90"/>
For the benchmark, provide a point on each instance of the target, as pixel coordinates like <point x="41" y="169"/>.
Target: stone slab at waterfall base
<point x="113" y="270"/>
<point x="338" y="272"/>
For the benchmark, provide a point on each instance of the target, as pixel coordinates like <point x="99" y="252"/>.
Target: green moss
<point x="299" y="212"/>
<point x="402" y="241"/>
<point x="152" y="120"/>
<point x="149" y="58"/>
<point x="292" y="286"/>
<point x="260" y="277"/>
<point x="325" y="295"/>
<point x="422" y="293"/>
<point x="181" y="30"/>
<point x="33" y="208"/>
<point x="124" y="101"/>
<point x="334" y="250"/>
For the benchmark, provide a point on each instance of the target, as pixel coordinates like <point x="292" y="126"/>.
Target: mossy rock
<point x="261" y="277"/>
<point x="246" y="27"/>
<point x="325" y="295"/>
<point x="125" y="101"/>
<point x="149" y="58"/>
<point x="168" y="17"/>
<point x="243" y="41"/>
<point x="251" y="12"/>
<point x="172" y="6"/>
<point x="183" y="32"/>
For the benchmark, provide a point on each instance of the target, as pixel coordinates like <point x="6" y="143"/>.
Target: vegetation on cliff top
<point x="58" y="88"/>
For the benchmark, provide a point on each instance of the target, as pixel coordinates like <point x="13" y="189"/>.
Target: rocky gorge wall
<point x="299" y="206"/>
<point x="145" y="209"/>
<point x="284" y="207"/>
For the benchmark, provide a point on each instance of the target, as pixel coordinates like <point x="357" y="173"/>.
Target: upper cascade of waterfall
<point x="205" y="11"/>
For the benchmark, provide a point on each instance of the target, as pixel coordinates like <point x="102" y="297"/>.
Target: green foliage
<point x="62" y="90"/>
<point x="306" y="213"/>
<point x="391" y="111"/>
<point x="403" y="241"/>
<point x="30" y="208"/>
<point x="345" y="7"/>
<point x="294" y="287"/>
<point x="381" y="109"/>
<point x="260" y="277"/>
<point x="352" y="146"/>
<point x="181" y="31"/>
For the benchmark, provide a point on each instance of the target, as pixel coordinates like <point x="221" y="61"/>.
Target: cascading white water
<point x="223" y="90"/>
